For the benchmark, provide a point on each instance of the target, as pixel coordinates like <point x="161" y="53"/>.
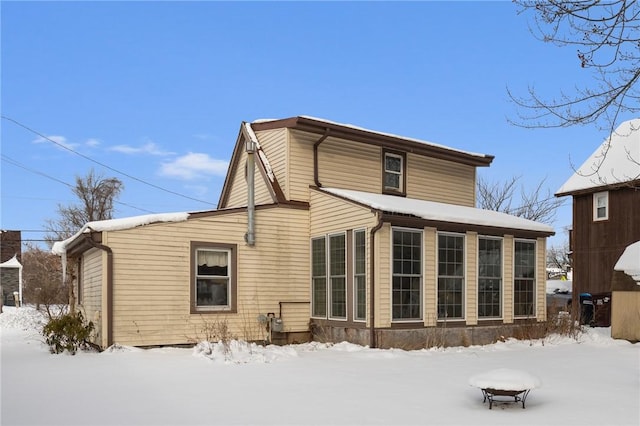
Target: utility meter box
<point x="276" y="325"/>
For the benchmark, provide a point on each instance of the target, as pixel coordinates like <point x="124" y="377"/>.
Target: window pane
<point x="450" y="276"/>
<point x="524" y="284"/>
<point x="360" y="289"/>
<point x="338" y="298"/>
<point x="392" y="163"/>
<point x="392" y="180"/>
<point x="212" y="292"/>
<point x="407" y="275"/>
<point x="337" y="273"/>
<point x="318" y="281"/>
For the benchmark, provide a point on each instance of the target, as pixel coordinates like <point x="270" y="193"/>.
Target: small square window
<point x="601" y="206"/>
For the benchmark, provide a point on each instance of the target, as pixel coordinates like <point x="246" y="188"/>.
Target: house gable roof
<point x="350" y="132"/>
<point x="616" y="162"/>
<point x="442" y="212"/>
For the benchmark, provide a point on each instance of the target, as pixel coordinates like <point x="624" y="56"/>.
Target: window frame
<point x="604" y="195"/>
<point x="500" y="279"/>
<point x="463" y="278"/>
<point x="356" y="275"/>
<point x="314" y="301"/>
<point x="232" y="272"/>
<point x="402" y="181"/>
<point x="420" y="276"/>
<point x="331" y="276"/>
<point x="531" y="280"/>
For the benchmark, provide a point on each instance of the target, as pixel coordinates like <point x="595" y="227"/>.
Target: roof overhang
<point x="337" y="130"/>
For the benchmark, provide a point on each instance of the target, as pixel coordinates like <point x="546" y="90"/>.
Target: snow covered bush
<point x="68" y="332"/>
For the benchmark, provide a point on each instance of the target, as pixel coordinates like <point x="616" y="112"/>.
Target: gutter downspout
<point x="316" y="178"/>
<point x="372" y="316"/>
<point x="250" y="236"/>
<point x="109" y="315"/>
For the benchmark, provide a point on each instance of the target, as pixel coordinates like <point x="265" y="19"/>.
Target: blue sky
<point x="157" y="91"/>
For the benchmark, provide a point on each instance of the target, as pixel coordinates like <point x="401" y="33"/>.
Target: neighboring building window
<point x="489" y="278"/>
<point x="338" y="276"/>
<point x="359" y="275"/>
<point x="601" y="206"/>
<point x="319" y="277"/>
<point x="394" y="165"/>
<point x="407" y="275"/>
<point x="524" y="278"/>
<point x="450" y="276"/>
<point x="214" y="285"/>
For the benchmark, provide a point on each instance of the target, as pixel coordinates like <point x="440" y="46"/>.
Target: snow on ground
<point x="592" y="381"/>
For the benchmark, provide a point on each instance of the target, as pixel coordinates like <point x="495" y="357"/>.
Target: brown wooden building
<point x="606" y="209"/>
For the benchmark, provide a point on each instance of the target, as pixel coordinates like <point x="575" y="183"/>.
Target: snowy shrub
<point x="68" y="332"/>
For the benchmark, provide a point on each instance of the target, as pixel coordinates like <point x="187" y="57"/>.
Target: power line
<point x="22" y="166"/>
<point x="102" y="164"/>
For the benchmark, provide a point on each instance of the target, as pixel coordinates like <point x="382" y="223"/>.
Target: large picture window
<point x="450" y="276"/>
<point x="319" y="277"/>
<point x="406" y="297"/>
<point x="214" y="277"/>
<point x="359" y="275"/>
<point x="489" y="278"/>
<point x="338" y="276"/>
<point x="524" y="278"/>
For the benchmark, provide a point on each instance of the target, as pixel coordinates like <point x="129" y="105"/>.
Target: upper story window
<point x="601" y="206"/>
<point x="394" y="172"/>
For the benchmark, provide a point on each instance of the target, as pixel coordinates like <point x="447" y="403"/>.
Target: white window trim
<point x="355" y="307"/>
<point x="422" y="260"/>
<point x="491" y="237"/>
<point x="535" y="280"/>
<point x="464" y="278"/>
<point x="597" y="196"/>
<point x="229" y="277"/>
<point x="400" y="187"/>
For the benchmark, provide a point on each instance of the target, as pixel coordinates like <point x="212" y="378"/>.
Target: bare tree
<point x="533" y="205"/>
<point x="97" y="196"/>
<point x="559" y="256"/>
<point x="606" y="34"/>
<point x="41" y="279"/>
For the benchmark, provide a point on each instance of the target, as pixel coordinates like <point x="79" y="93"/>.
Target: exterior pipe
<point x="372" y="316"/>
<point x="251" y="206"/>
<point x="316" y="179"/>
<point x="109" y="315"/>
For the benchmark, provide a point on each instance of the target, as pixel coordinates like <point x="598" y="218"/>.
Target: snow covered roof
<point x="353" y="127"/>
<point x="11" y="263"/>
<point x="617" y="160"/>
<point x="440" y="212"/>
<point x="60" y="247"/>
<point x="629" y="262"/>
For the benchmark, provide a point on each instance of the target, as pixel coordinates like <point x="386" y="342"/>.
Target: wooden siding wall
<point x="152" y="281"/>
<point x="300" y="165"/>
<point x="440" y="180"/>
<point x="350" y="165"/>
<point x="275" y="145"/>
<point x="430" y="277"/>
<point x="92" y="284"/>
<point x="625" y="315"/>
<point x="383" y="279"/>
<point x="508" y="248"/>
<point x="238" y="192"/>
<point x="471" y="278"/>
<point x="358" y="166"/>
<point x="541" y="279"/>
<point x="597" y="246"/>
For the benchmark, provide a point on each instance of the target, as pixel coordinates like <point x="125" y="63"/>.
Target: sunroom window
<point x="524" y="282"/>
